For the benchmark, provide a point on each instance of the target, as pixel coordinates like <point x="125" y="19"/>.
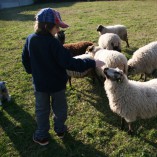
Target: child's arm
<point x="64" y="59"/>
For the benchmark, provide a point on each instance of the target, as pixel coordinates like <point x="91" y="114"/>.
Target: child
<point x="47" y="60"/>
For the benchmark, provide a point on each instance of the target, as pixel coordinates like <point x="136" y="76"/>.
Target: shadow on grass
<point x="97" y="98"/>
<point x="19" y="126"/>
<point x="130" y="50"/>
<point x="19" y="13"/>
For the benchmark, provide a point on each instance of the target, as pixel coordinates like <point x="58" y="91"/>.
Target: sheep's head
<point x="92" y="50"/>
<point x="114" y="74"/>
<point x="60" y="36"/>
<point x="100" y="28"/>
<point x="131" y="70"/>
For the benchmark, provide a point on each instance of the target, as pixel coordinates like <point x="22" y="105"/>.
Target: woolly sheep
<point x="74" y="48"/>
<point x="144" y="60"/>
<point x="79" y="74"/>
<point x="78" y="48"/>
<point x="110" y="41"/>
<point x="111" y="58"/>
<point x="120" y="30"/>
<point x="130" y="99"/>
<point x="89" y="72"/>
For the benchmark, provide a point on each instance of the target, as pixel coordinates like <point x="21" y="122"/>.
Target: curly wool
<point x="132" y="99"/>
<point x="144" y="60"/>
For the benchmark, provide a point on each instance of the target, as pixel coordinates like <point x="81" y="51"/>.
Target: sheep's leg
<point x="122" y="123"/>
<point x="130" y="131"/>
<point x="127" y="43"/>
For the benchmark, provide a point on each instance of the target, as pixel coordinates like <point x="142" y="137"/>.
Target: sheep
<point x="89" y="72"/>
<point x="78" y="48"/>
<point x="60" y="36"/>
<point x="130" y="99"/>
<point x="144" y="60"/>
<point x="120" y="30"/>
<point x="111" y="58"/>
<point x="75" y="49"/>
<point x="110" y="41"/>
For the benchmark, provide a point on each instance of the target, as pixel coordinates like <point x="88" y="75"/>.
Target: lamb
<point x="144" y="60"/>
<point x="4" y="95"/>
<point x="110" y="41"/>
<point x="130" y="99"/>
<point x="111" y="58"/>
<point x="120" y="30"/>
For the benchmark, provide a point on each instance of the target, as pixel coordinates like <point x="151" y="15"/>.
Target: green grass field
<point x="94" y="130"/>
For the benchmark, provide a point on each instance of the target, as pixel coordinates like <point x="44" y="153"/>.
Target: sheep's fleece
<point x="112" y="59"/>
<point x="110" y="41"/>
<point x="144" y="60"/>
<point x="76" y="74"/>
<point x="130" y="99"/>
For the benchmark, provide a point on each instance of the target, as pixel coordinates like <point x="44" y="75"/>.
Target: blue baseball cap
<point x="50" y="15"/>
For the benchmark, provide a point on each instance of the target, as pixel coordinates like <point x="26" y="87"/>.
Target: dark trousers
<point x="44" y="102"/>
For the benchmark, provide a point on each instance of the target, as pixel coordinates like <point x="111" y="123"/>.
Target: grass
<point x="94" y="128"/>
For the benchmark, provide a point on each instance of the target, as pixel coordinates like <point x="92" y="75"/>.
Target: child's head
<point x="48" y="21"/>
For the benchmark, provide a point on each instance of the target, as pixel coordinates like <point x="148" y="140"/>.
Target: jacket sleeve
<point x="65" y="60"/>
<point x="26" y="58"/>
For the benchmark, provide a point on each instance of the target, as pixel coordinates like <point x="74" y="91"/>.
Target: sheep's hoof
<point x="130" y="132"/>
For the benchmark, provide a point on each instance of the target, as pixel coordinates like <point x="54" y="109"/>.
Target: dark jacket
<point x="47" y="60"/>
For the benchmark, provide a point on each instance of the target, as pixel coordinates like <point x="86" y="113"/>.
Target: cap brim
<point x="62" y="25"/>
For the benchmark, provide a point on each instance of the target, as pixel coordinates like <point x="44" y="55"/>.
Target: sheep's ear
<point x="90" y="48"/>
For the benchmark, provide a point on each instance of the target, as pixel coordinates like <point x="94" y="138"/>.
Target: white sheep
<point x="144" y="60"/>
<point x="75" y="74"/>
<point x="110" y="41"/>
<point x="120" y="30"/>
<point x="130" y="99"/>
<point x="111" y="58"/>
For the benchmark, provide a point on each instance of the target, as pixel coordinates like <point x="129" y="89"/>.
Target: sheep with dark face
<point x="130" y="99"/>
<point x="120" y="30"/>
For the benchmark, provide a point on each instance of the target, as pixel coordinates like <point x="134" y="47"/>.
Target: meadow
<point x="94" y="130"/>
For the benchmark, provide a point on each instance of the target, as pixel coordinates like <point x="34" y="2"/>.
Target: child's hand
<point x="99" y="63"/>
